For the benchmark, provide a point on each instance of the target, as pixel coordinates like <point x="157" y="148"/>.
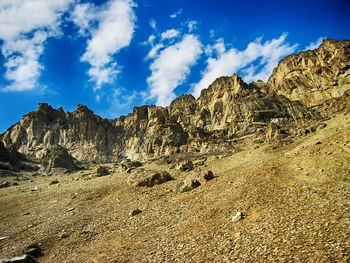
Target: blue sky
<point x="112" y="55"/>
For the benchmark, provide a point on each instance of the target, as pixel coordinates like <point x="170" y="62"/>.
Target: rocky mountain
<point x="292" y="102"/>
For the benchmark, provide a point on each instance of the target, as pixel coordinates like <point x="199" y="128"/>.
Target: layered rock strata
<point x="229" y="108"/>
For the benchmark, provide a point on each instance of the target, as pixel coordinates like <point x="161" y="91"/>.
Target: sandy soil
<point x="295" y="198"/>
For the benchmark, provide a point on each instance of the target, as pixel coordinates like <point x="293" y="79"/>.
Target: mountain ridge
<point x="228" y="109"/>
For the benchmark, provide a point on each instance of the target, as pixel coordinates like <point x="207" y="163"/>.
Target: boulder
<point x="57" y="160"/>
<point x="194" y="181"/>
<point x="129" y="165"/>
<point x="4" y="184"/>
<point x="148" y="178"/>
<point x="101" y="171"/>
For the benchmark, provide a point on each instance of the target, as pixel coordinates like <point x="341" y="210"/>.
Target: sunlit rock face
<point x="314" y="76"/>
<point x="228" y="109"/>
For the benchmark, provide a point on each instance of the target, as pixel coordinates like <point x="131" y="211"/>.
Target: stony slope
<point x="228" y="110"/>
<point x="295" y="199"/>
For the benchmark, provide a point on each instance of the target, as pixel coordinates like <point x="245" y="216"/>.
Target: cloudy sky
<point x="114" y="54"/>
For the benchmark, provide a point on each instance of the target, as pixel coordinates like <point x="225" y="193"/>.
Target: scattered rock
<point x="148" y="178"/>
<point x="101" y="171"/>
<point x="3" y="238"/>
<point x="19" y="259"/>
<point x="318" y="142"/>
<point x="194" y="181"/>
<point x="135" y="212"/>
<point x="129" y="165"/>
<point x="57" y="160"/>
<point x="15" y="184"/>
<point x="321" y="170"/>
<point x="33" y="250"/>
<point x="70" y="209"/>
<point x="36" y="188"/>
<point x="4" y="185"/>
<point x="300" y="168"/>
<point x="54" y="182"/>
<point x="238" y="217"/>
<point x="64" y="235"/>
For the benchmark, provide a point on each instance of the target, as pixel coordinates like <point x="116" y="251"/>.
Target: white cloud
<point x="212" y="33"/>
<point x="22" y="65"/>
<point x="171" y="33"/>
<point x="171" y="67"/>
<point x="151" y="39"/>
<point x="115" y="28"/>
<point x="176" y="14"/>
<point x="83" y="15"/>
<point x="153" y="23"/>
<point x="232" y="60"/>
<point x="18" y="16"/>
<point x="314" y="45"/>
<point x="121" y="101"/>
<point x="154" y="51"/>
<point x="192" y="25"/>
<point x="24" y="28"/>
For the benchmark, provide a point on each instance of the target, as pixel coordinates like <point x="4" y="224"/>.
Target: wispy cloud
<point x="24" y="28"/>
<point x="171" y="33"/>
<point x="224" y="62"/>
<point x="22" y="65"/>
<point x="83" y="15"/>
<point x="122" y="100"/>
<point x="153" y="23"/>
<point x="171" y="67"/>
<point x="192" y="25"/>
<point x="176" y="14"/>
<point x="115" y="27"/>
<point x="315" y="44"/>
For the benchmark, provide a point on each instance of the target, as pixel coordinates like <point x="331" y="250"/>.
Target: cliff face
<point x="228" y="109"/>
<point x="314" y="76"/>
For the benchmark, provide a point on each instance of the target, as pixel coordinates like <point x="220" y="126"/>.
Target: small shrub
<point x="187" y="189"/>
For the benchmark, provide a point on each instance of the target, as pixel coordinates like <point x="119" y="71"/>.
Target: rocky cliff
<point x="314" y="76"/>
<point x="227" y="110"/>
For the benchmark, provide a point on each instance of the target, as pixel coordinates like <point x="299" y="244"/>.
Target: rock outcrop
<point x="148" y="178"/>
<point x="314" y="76"/>
<point x="57" y="160"/>
<point x="228" y="109"/>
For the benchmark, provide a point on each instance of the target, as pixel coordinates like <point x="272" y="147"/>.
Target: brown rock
<point x="194" y="181"/>
<point x="228" y="108"/>
<point x="101" y="171"/>
<point x="314" y="76"/>
<point x="148" y="178"/>
<point x="57" y="160"/>
<point x="135" y="212"/>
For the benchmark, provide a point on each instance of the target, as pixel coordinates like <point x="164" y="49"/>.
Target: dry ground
<point x="296" y="199"/>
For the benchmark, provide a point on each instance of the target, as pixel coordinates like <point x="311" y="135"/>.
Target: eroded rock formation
<point x="314" y="76"/>
<point x="229" y="108"/>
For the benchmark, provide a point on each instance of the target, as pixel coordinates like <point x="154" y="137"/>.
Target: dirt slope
<point x="295" y="198"/>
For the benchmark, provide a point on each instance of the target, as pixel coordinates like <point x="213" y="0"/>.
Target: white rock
<point x="238" y="217"/>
